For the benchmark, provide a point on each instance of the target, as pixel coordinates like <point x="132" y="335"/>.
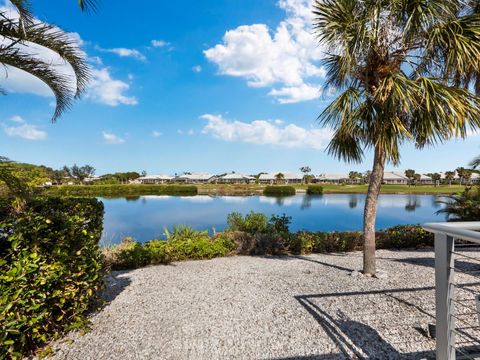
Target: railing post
<point x="444" y="265"/>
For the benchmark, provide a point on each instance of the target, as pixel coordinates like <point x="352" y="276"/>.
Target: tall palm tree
<point x="23" y="31"/>
<point x="397" y="65"/>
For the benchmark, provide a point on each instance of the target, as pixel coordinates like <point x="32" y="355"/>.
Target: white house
<point x="390" y="177"/>
<point x="425" y="179"/>
<point x="154" y="179"/>
<point x="235" y="178"/>
<point x="196" y="178"/>
<point x="332" y="178"/>
<point x="288" y="178"/>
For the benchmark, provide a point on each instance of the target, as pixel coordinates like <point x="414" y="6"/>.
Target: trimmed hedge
<point x="120" y="190"/>
<point x="315" y="190"/>
<point x="50" y="270"/>
<point x="277" y="190"/>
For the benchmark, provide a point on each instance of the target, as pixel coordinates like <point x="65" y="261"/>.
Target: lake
<point x="145" y="217"/>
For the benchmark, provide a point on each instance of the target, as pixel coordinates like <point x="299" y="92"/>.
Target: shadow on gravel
<point x="115" y="283"/>
<point x="353" y="338"/>
<point x="306" y="258"/>
<point x="460" y="265"/>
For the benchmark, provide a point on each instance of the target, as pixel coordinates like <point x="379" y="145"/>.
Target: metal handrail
<point x="445" y="235"/>
<point x="460" y="230"/>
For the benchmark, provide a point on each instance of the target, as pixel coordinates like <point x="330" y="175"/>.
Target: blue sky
<point x="216" y="86"/>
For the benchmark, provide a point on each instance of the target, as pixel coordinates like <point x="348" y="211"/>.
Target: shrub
<point x="284" y="190"/>
<point x="50" y="270"/>
<point x="397" y="237"/>
<point x="252" y="222"/>
<point x="182" y="243"/>
<point x="315" y="190"/>
<point x="404" y="236"/>
<point x="120" y="190"/>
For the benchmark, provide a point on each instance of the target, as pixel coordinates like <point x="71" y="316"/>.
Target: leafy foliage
<point x="50" y="269"/>
<point x="464" y="206"/>
<point x="277" y="190"/>
<point x="315" y="190"/>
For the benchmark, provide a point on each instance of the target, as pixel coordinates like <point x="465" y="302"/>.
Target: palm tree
<point x="461" y="172"/>
<point x="449" y="176"/>
<point x="279" y="178"/>
<point x="396" y="64"/>
<point x="410" y="174"/>
<point x="26" y="31"/>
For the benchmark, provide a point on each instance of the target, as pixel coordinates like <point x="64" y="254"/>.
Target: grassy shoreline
<point x="233" y="190"/>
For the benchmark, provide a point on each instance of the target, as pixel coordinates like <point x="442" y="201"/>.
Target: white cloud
<point x="191" y="132"/>
<point x="125" y="52"/>
<point x="287" y="56"/>
<point x="14" y="80"/>
<point x="111" y="138"/>
<point x="266" y="133"/>
<point x="156" y="133"/>
<point x="197" y="69"/>
<point x="162" y="44"/>
<point x="17" y="119"/>
<point x="293" y="94"/>
<point x="23" y="129"/>
<point x="106" y="90"/>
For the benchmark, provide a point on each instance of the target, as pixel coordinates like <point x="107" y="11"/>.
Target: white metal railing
<point x="457" y="249"/>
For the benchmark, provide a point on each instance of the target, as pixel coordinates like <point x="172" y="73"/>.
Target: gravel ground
<point x="304" y="307"/>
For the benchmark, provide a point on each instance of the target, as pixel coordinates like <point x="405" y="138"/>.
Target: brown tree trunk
<point x="370" y="212"/>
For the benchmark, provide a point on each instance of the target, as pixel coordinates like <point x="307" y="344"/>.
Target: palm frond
<point x="58" y="83"/>
<point x="475" y="163"/>
<point x="52" y="38"/>
<point x="86" y="5"/>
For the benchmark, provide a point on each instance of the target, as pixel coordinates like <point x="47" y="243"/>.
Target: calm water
<point x="146" y="217"/>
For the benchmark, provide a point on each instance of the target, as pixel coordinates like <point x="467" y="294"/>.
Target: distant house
<point x="288" y="178"/>
<point x="333" y="178"/>
<point x="235" y="178"/>
<point x="425" y="180"/>
<point x="154" y="179"/>
<point x="92" y="179"/>
<point x="394" y="178"/>
<point x="200" y="178"/>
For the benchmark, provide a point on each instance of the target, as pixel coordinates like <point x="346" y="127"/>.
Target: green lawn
<point x="223" y="189"/>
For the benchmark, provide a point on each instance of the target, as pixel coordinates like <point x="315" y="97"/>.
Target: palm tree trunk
<point x="370" y="213"/>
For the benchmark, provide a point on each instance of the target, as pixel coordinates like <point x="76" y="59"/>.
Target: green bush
<point x="50" y="270"/>
<point x="315" y="190"/>
<point x="404" y="236"/>
<point x="464" y="206"/>
<point x="182" y="243"/>
<point x="397" y="237"/>
<point x="120" y="190"/>
<point x="277" y="190"/>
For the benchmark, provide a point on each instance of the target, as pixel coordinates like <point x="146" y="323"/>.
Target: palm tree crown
<point x="404" y="69"/>
<point x="24" y="31"/>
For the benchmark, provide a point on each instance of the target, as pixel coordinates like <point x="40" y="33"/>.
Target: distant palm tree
<point x="279" y="178"/>
<point x="403" y="69"/>
<point x="23" y="31"/>
<point x="461" y="172"/>
<point x="449" y="176"/>
<point x="410" y="174"/>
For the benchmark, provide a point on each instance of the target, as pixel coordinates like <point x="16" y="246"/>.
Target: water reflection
<point x="413" y="203"/>
<point x="353" y="201"/>
<point x="144" y="217"/>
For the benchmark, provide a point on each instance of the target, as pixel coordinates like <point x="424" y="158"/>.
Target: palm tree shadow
<point x="355" y="339"/>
